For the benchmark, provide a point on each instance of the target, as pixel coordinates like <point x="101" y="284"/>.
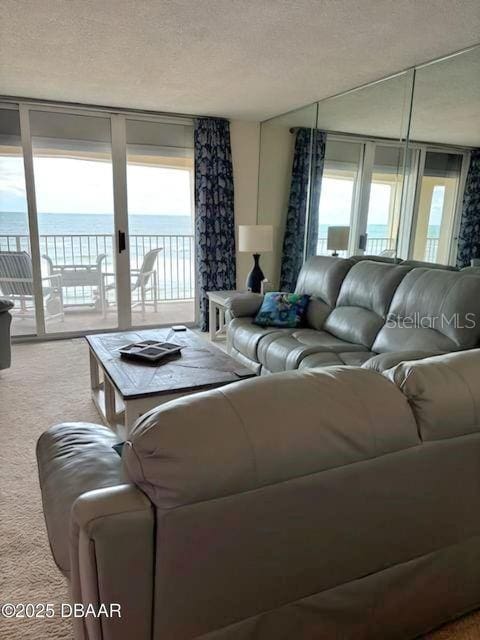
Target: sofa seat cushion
<point x="73" y="458"/>
<point x="324" y="340"/>
<point x="398" y="338"/>
<point x="244" y="336"/>
<point x="284" y="352"/>
<point x="329" y="359"/>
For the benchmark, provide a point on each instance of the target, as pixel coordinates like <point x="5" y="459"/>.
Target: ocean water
<point x="92" y="236"/>
<point x="88" y="223"/>
<point x="14" y="223"/>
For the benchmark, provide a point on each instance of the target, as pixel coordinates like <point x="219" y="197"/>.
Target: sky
<point x="336" y="202"/>
<point x="80" y="186"/>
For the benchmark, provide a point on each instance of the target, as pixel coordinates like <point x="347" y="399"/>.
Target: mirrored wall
<point x="380" y="170"/>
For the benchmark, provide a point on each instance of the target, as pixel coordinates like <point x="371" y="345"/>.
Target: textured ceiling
<point x="238" y="58"/>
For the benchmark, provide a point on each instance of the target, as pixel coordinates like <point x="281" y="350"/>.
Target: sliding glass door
<point x="96" y="220"/>
<point x="160" y="221"/>
<point x="74" y="202"/>
<point x="16" y="273"/>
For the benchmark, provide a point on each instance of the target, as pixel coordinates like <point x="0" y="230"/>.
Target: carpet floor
<point x="49" y="383"/>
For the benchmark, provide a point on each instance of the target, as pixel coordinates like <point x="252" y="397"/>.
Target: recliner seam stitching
<point x="245" y="430"/>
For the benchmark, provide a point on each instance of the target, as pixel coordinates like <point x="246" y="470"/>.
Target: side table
<point x="216" y="302"/>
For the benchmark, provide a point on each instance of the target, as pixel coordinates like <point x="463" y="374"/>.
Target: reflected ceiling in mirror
<point x="377" y="110"/>
<point x="446" y="101"/>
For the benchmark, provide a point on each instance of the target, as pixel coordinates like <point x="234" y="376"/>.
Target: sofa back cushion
<point x="321" y="278"/>
<point x="366" y="256"/>
<point x="363" y="301"/>
<point x="265" y="430"/>
<point x="433" y="310"/>
<point x="443" y="392"/>
<point x="429" y="265"/>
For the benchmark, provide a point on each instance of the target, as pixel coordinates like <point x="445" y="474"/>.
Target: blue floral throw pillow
<point x="282" y="310"/>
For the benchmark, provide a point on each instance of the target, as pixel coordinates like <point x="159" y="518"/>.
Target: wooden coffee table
<point x="123" y="390"/>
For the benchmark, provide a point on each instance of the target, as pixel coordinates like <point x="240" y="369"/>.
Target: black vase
<point x="255" y="277"/>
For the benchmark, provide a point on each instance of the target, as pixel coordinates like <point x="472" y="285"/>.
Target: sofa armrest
<point x="240" y="305"/>
<point x="112" y="539"/>
<point x="384" y="361"/>
<point x="5" y="305"/>
<point x="73" y="458"/>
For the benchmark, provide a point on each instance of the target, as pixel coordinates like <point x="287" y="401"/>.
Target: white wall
<point x="275" y="173"/>
<point x="245" y="141"/>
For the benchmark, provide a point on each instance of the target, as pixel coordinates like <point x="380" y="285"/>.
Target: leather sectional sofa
<point x="359" y="309"/>
<point x="321" y="503"/>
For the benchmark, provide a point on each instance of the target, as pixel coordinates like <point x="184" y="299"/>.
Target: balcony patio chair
<point x="16" y="284"/>
<point x="144" y="280"/>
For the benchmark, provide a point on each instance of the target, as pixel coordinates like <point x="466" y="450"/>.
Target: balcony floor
<point x="86" y="319"/>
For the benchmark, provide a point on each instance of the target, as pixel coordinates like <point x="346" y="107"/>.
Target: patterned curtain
<point x="469" y="236"/>
<point x="214" y="217"/>
<point x="305" y="186"/>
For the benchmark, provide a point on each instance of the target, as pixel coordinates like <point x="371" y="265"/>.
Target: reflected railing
<point x="375" y="246"/>
<point x="83" y="260"/>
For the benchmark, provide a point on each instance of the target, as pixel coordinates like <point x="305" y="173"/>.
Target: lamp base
<point x="255" y="277"/>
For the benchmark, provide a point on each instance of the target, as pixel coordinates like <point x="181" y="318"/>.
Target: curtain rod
<point x="104" y="108"/>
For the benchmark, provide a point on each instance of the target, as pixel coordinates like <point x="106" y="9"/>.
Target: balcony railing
<point x="174" y="265"/>
<point x="375" y="246"/>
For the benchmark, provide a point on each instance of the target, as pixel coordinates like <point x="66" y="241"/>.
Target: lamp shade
<point x="255" y="238"/>
<point x="337" y="238"/>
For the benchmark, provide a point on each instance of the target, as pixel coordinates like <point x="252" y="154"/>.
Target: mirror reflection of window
<point x="436" y="208"/>
<point x="339" y="187"/>
<point x="384" y="203"/>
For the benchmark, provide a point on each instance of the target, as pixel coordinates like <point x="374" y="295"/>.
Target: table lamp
<point x="255" y="239"/>
<point x="337" y="239"/>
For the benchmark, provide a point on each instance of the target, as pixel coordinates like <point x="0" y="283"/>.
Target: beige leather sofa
<point x="358" y="309"/>
<point x="323" y="503"/>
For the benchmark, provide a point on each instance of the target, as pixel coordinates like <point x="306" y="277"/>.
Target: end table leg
<point x="221" y="319"/>
<point x="212" y="321"/>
